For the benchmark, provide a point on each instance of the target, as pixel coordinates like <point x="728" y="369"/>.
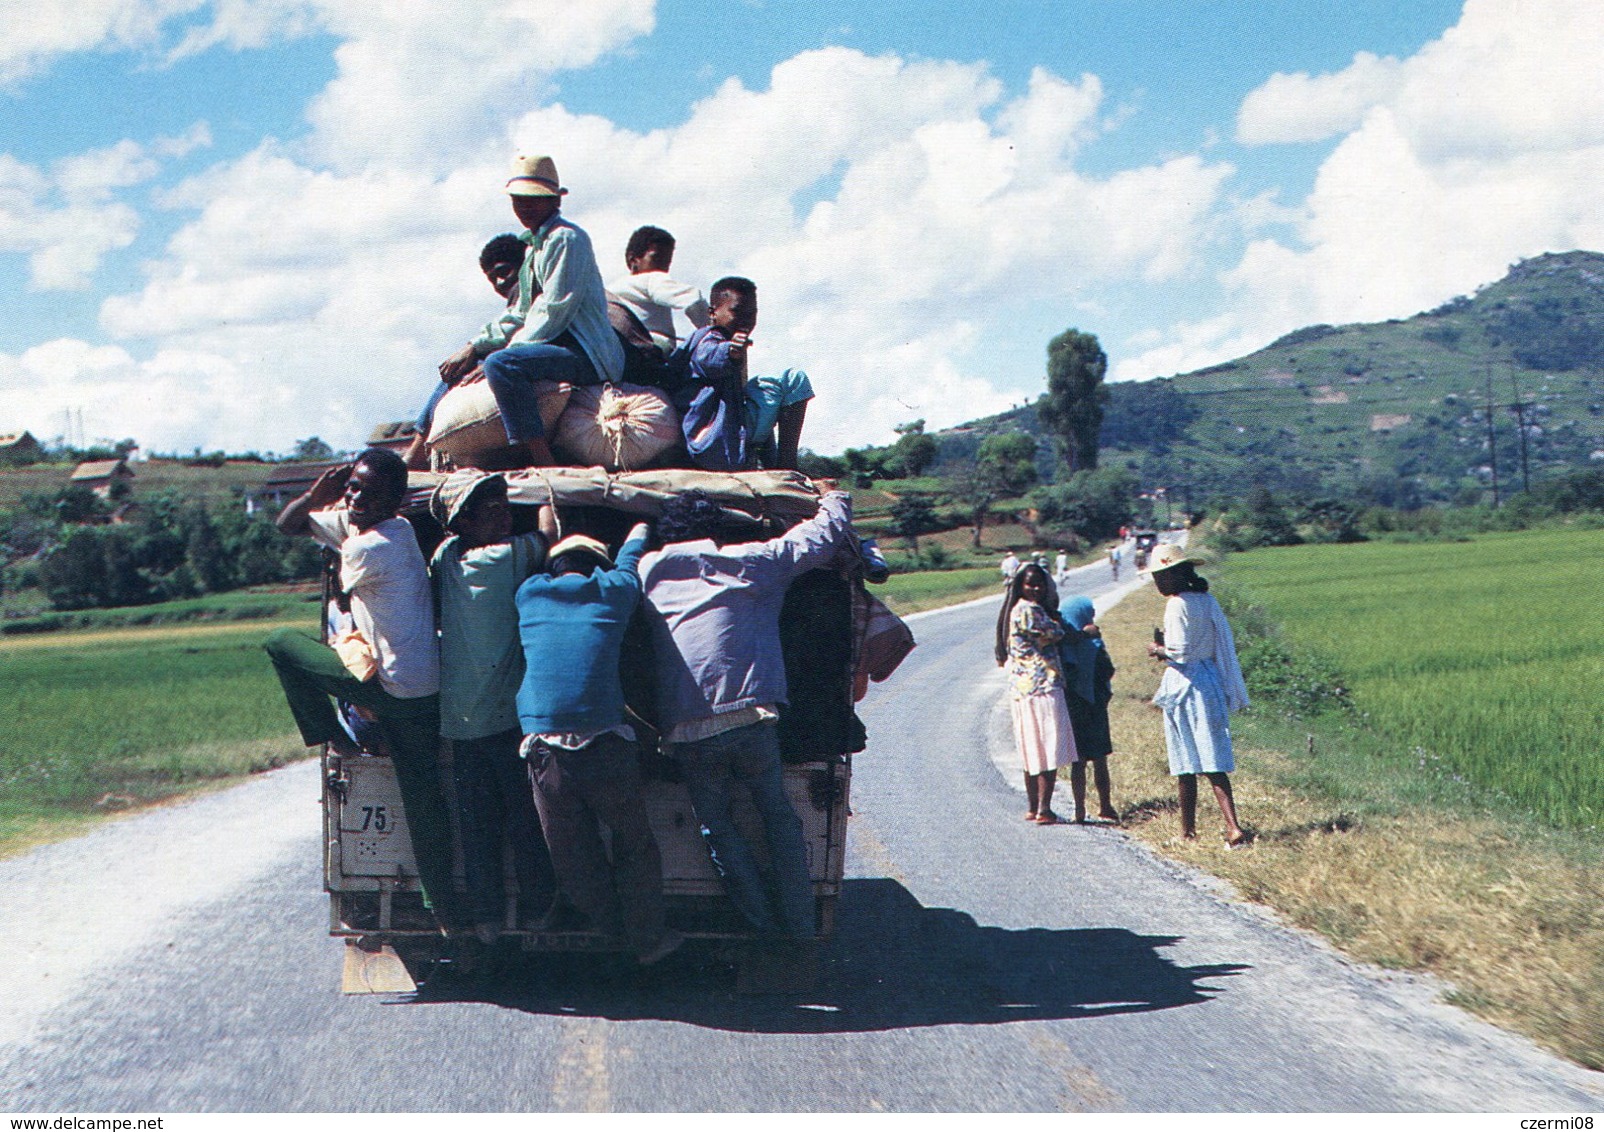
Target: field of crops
<point x="103" y="719"/>
<point x="1481" y="656"/>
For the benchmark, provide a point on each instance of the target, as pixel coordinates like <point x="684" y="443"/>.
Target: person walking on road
<point x="1202" y="685"/>
<point x="1028" y="632"/>
<point x="1010" y="567"/>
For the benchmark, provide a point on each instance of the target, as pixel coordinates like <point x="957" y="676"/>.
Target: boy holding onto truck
<point x="583" y="758"/>
<point x="730" y="419"/>
<point x="714" y="603"/>
<point x="477" y="572"/>
<point x="392" y="664"/>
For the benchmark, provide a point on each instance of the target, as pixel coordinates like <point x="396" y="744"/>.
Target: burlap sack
<point x="468" y="424"/>
<point x="617" y="427"/>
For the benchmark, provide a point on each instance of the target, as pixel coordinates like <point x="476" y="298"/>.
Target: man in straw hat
<point x="558" y="330"/>
<point x="477" y="571"/>
<point x="584" y="762"/>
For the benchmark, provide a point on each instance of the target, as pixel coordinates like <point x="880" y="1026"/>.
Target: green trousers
<point x="311" y="672"/>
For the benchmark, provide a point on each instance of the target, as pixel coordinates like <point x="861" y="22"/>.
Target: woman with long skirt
<point x="1028" y="632"/>
<point x="1202" y="685"/>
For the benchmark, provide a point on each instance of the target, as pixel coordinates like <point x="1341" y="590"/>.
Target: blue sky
<point x="236" y="224"/>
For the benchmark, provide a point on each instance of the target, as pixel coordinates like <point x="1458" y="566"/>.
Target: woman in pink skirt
<point x="1028" y="632"/>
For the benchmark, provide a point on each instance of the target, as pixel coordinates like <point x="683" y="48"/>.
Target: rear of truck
<point x="375" y="900"/>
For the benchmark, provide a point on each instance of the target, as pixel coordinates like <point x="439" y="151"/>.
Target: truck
<point x="375" y="901"/>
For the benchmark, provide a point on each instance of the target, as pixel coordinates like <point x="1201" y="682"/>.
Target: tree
<point x="913" y="452"/>
<point x="1095" y="505"/>
<point x="1012" y="457"/>
<point x="312" y="450"/>
<point x="914" y="514"/>
<point x="1072" y="407"/>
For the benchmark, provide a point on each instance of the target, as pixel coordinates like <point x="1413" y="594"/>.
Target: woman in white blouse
<point x="1202" y="685"/>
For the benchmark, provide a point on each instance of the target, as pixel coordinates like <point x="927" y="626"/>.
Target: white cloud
<point x="897" y="215"/>
<point x="1488" y="147"/>
<point x="1298" y="108"/>
<point x="174" y="394"/>
<point x="68" y="220"/>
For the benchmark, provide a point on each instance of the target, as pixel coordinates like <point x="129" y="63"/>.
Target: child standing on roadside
<point x="1088" y="686"/>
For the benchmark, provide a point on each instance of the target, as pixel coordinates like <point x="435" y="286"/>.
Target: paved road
<point x="177" y="962"/>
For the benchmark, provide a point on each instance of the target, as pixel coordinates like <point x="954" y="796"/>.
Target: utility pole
<point x="1492" y="439"/>
<point x="1520" y="415"/>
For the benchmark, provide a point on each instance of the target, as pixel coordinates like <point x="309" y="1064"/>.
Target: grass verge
<point x="100" y="722"/>
<point x="1398" y="864"/>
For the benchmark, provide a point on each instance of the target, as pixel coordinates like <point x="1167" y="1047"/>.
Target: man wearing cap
<point x="477" y="571"/>
<point x="558" y="329"/>
<point x="583" y="757"/>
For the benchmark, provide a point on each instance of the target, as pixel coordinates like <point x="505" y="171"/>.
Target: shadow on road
<point x="893" y="963"/>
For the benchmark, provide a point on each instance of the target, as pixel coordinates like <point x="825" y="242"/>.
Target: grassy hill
<point x="1392" y="412"/>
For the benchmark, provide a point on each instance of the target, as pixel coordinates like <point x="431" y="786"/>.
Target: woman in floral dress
<point x="1028" y="632"/>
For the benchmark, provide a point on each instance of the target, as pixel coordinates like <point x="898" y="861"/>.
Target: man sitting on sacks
<point x="501" y="260"/>
<point x="557" y="330"/>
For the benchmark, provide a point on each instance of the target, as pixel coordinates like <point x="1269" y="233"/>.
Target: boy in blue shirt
<point x="730" y="420"/>
<point x="476" y="574"/>
<point x="584" y="762"/>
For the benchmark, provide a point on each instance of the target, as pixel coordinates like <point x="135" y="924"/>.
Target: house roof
<point x="101" y="470"/>
<point x="395" y="430"/>
<point x="287" y="474"/>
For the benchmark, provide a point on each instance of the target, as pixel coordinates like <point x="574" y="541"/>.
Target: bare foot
<point x="1109" y="816"/>
<point x="1238" y="839"/>
<point x="1048" y="818"/>
<point x="1031" y="816"/>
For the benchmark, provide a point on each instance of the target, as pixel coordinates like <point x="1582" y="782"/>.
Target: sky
<point x="235" y="224"/>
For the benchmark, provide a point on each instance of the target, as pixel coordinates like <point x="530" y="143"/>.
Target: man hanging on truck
<point x="559" y="330"/>
<point x="714" y="607"/>
<point x="477" y="572"/>
<point x="391" y="666"/>
<point x="584" y="761"/>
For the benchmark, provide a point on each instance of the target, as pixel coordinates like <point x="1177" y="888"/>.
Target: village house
<point x="20" y="448"/>
<point x="102" y="476"/>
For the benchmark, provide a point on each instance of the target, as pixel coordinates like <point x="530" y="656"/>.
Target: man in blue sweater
<point x="584" y="762"/>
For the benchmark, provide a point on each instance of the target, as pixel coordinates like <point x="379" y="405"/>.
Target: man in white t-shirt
<point x="651" y="294"/>
<point x="383" y="571"/>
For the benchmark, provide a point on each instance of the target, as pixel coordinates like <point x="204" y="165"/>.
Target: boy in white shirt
<point x="649" y="292"/>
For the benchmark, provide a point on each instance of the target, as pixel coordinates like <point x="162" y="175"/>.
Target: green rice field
<point x="98" y="720"/>
<point x="1481" y="658"/>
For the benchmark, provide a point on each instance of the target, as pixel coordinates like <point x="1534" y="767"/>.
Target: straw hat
<point x="580" y="543"/>
<point x="1167" y="556"/>
<point x="534" y="175"/>
<point x="455" y="491"/>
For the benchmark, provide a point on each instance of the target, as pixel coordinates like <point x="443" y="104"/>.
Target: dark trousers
<point x="512" y="371"/>
<point x="311" y="672"/>
<point x="494" y="803"/>
<point x="751" y="756"/>
<point x="576" y="790"/>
